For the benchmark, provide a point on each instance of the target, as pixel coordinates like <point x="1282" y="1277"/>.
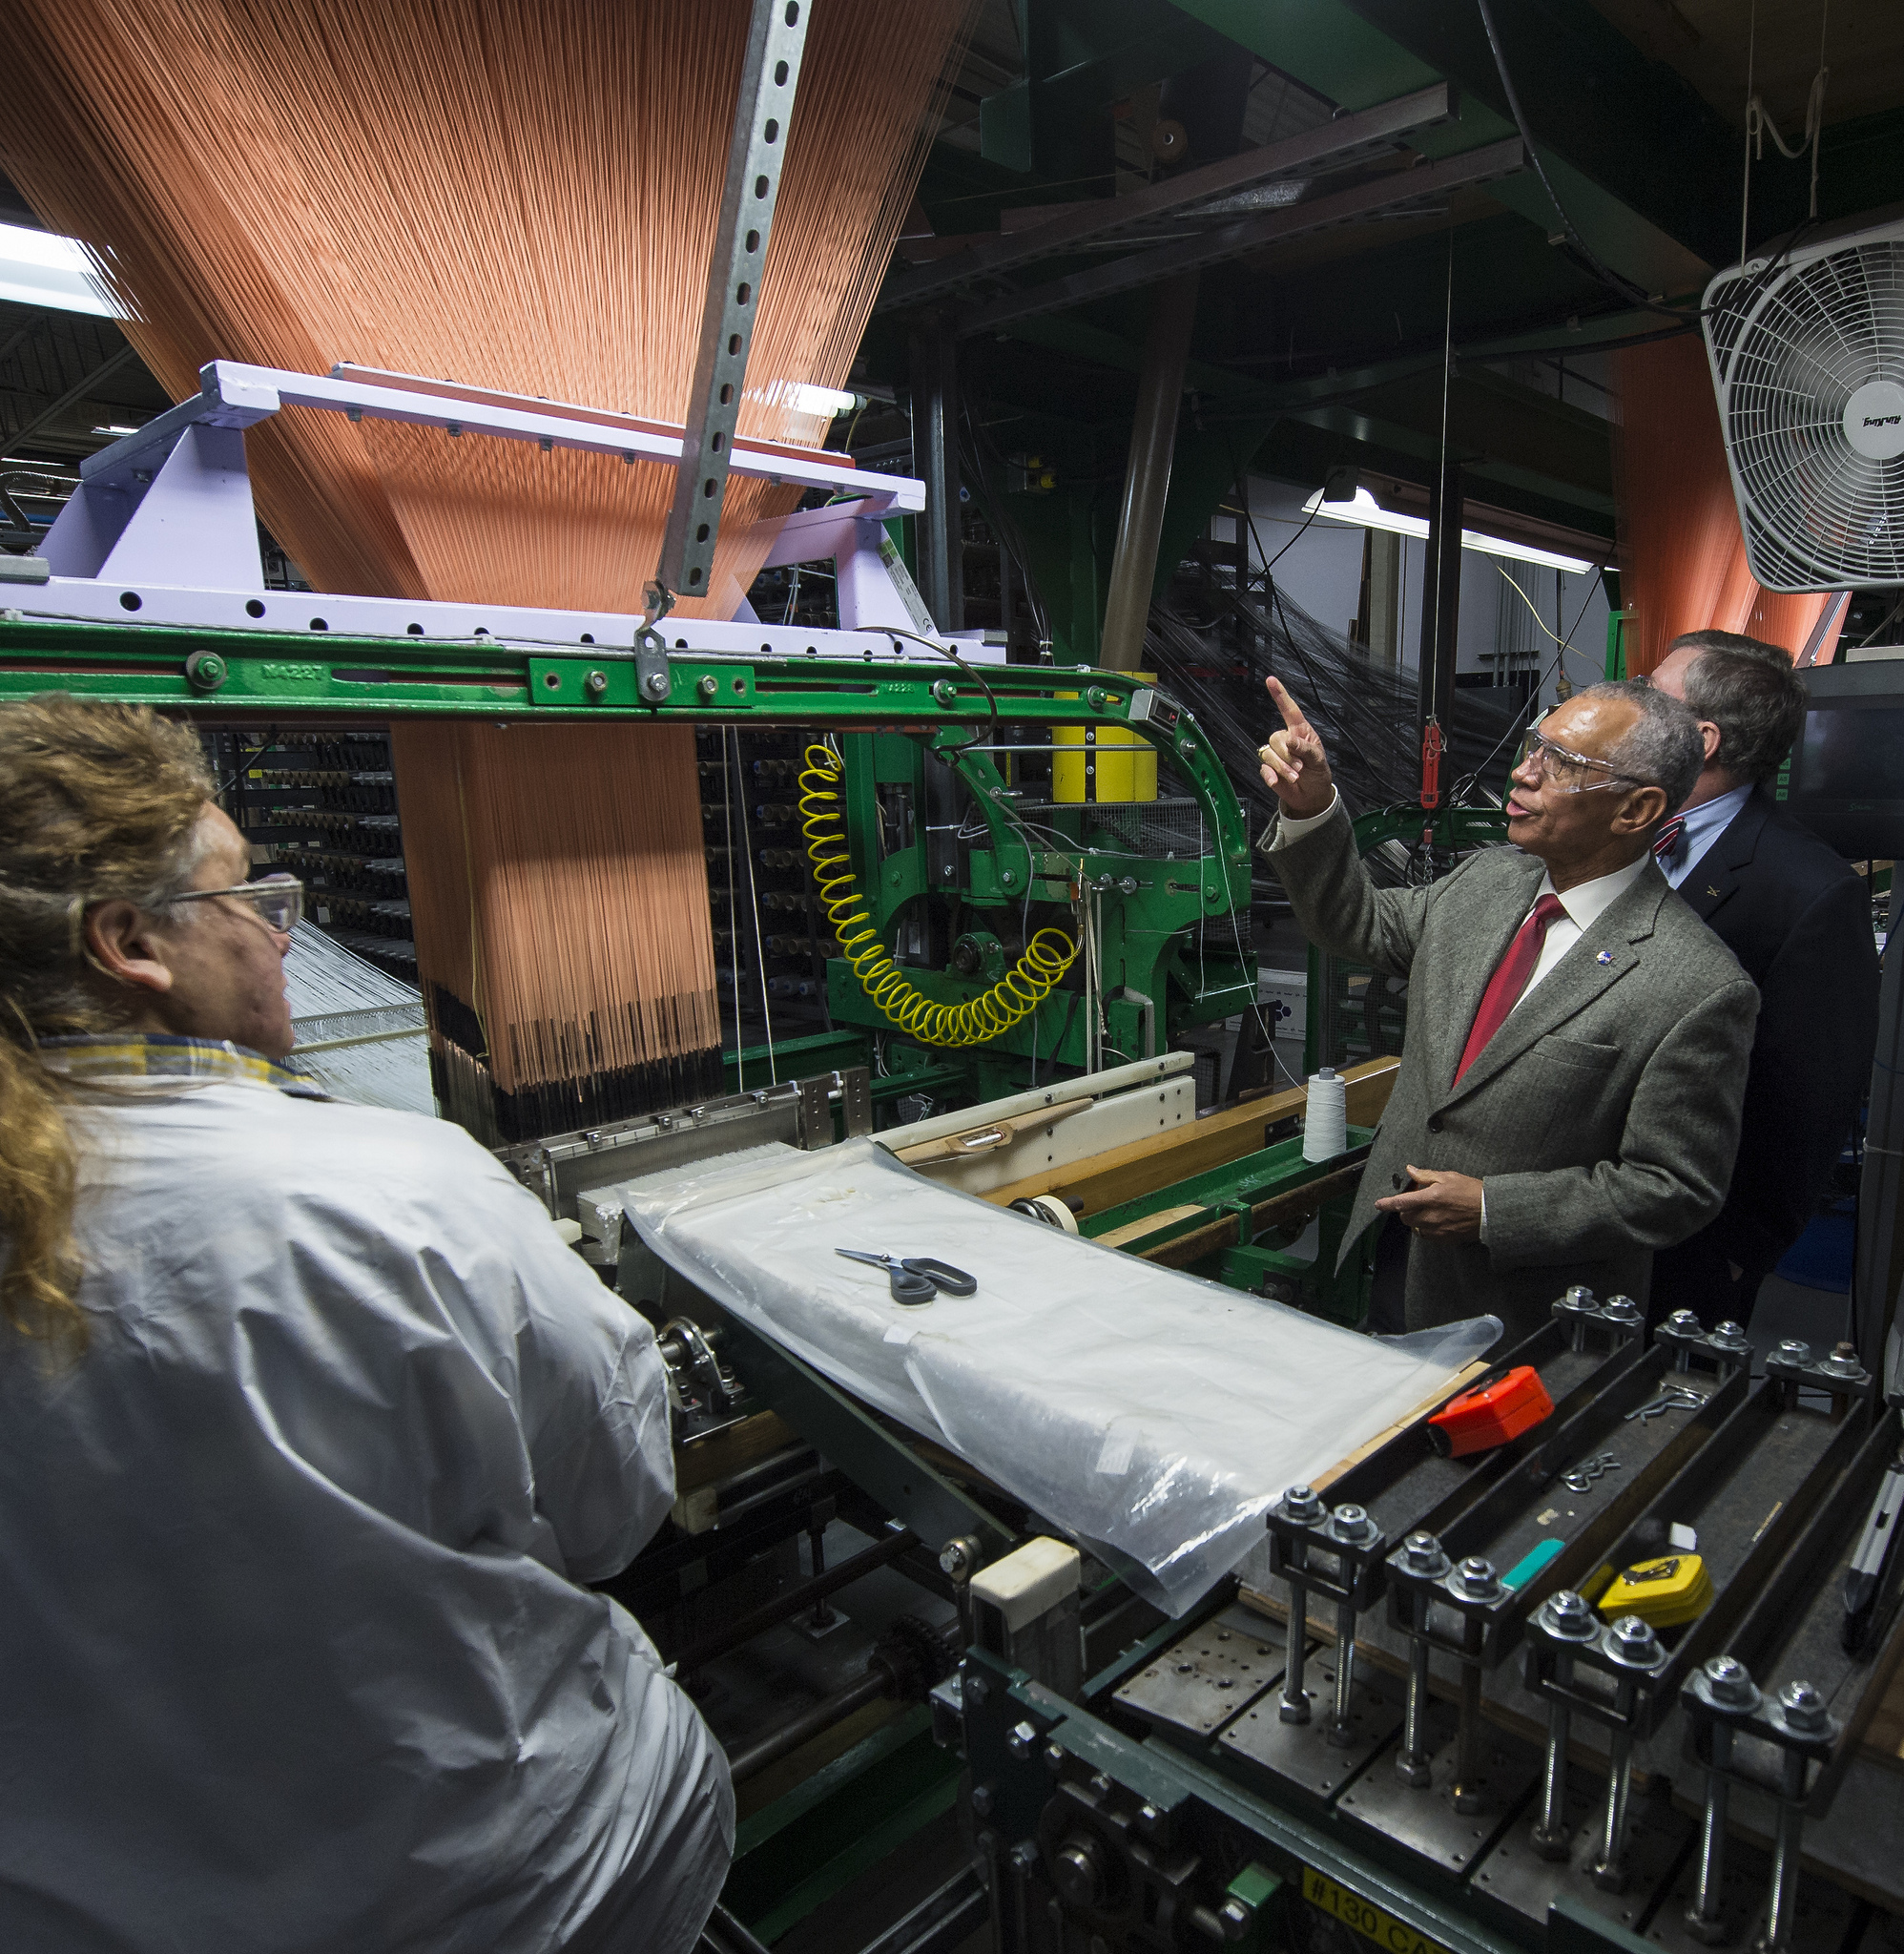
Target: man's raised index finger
<point x="1291" y="713"/>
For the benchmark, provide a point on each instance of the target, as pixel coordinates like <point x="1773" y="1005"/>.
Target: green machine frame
<point x="896" y="719"/>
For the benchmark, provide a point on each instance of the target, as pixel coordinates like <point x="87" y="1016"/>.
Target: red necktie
<point x="1669" y="844"/>
<point x="1510" y="979"/>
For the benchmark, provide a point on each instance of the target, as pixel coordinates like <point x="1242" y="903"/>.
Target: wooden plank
<point x="1456" y="1385"/>
<point x="722" y="1454"/>
<point x="1148" y="1224"/>
<point x="1123" y="1173"/>
<point x="1884" y="1739"/>
<point x="1298" y="1203"/>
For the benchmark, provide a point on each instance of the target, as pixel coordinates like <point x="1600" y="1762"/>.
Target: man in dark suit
<point x="1799" y="923"/>
<point x="1574" y="1065"/>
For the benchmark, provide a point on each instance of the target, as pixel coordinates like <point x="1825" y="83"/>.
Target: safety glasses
<point x="1566" y="771"/>
<point x="278" y="901"/>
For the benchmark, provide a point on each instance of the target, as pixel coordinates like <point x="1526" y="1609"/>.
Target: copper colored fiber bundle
<point x="1682" y="554"/>
<point x="508" y="193"/>
<point x="557" y="873"/>
<point x="519" y="195"/>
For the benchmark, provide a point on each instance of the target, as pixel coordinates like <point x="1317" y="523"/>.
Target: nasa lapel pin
<point x="1604" y="957"/>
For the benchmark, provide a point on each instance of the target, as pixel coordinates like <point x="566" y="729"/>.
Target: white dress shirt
<point x="296" y="1650"/>
<point x="1704" y="825"/>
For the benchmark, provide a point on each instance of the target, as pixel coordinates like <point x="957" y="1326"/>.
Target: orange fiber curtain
<point x="1682" y="554"/>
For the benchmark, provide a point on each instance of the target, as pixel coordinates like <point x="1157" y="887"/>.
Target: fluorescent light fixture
<point x="116" y="430"/>
<point x="1365" y="512"/>
<point x="51" y="274"/>
<point x="826" y="401"/>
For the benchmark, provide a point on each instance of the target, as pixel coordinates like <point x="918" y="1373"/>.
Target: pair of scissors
<point x="916" y="1279"/>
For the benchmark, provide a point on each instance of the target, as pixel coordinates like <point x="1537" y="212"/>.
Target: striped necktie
<point x="1669" y="844"/>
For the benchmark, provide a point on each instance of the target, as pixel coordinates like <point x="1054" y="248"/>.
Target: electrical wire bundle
<point x="1364" y="711"/>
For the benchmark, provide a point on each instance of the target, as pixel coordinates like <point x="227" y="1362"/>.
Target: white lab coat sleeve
<point x="594" y="1401"/>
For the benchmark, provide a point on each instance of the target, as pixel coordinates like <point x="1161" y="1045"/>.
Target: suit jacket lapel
<point x="1469" y="979"/>
<point x="1715" y="875"/>
<point x="1576" y="980"/>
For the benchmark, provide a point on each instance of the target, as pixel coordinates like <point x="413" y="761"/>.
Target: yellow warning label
<point x="1370" y="1921"/>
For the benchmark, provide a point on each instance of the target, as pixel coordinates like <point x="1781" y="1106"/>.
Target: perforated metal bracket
<point x="756" y="158"/>
<point x="651" y="679"/>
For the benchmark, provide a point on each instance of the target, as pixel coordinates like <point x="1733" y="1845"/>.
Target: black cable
<point x="1578" y="246"/>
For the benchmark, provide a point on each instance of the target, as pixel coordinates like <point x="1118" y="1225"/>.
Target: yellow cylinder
<point x="1107" y="760"/>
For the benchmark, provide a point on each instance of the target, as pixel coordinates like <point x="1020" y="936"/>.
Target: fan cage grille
<point x="1788" y="353"/>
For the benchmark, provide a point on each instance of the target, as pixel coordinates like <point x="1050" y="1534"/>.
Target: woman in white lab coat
<point x="310" y="1427"/>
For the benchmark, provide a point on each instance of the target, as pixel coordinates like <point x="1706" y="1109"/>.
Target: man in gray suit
<point x="1570" y="1084"/>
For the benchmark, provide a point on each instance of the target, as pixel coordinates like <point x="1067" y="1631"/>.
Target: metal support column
<point x="935" y="459"/>
<point x="1882" y="1182"/>
<point x="1146" y="472"/>
<point x="1441" y="625"/>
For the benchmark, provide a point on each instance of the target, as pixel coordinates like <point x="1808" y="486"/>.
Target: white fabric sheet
<point x="291" y="1654"/>
<point x="1153" y="1415"/>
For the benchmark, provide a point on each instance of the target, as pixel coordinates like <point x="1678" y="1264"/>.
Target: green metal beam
<point x="1647" y="170"/>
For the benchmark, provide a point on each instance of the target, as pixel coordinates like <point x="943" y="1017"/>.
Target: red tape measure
<point x="1496" y="1410"/>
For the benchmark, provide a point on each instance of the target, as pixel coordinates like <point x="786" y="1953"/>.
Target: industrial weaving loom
<point x="1348" y="1686"/>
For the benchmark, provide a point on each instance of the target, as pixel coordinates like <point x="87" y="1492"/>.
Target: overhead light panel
<point x="1365" y="512"/>
<point x="51" y="274"/>
<point x="115" y="430"/>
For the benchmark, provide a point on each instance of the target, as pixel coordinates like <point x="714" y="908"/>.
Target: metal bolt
<point x="1054" y="1758"/>
<point x="984" y="1798"/>
<point x="1571" y="1615"/>
<point x="708" y="686"/>
<point x="959" y="1557"/>
<point x="1301" y="1502"/>
<point x="1684" y="1322"/>
<point x="1579" y="1296"/>
<point x="1019" y="1741"/>
<point x="1024" y="1855"/>
<point x="1729" y="1680"/>
<point x="1843" y="1362"/>
<point x="1475" y="1577"/>
<point x="1149" y="1818"/>
<point x="1804" y="1708"/>
<point x="206" y="671"/>
<point x="1352" y="1524"/>
<point x="977" y="1691"/>
<point x="1792" y="1351"/>
<point x="1424" y="1555"/>
<point x="1622" y="1309"/>
<point x="944" y="692"/>
<point x="655" y="685"/>
<point x="1633" y="1641"/>
<point x="595" y="684"/>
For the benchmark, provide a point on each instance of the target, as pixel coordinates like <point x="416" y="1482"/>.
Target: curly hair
<point x="97" y="801"/>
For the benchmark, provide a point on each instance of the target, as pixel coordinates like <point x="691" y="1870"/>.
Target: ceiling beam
<point x="1380" y="194"/>
<point x="1648" y="170"/>
<point x="1332" y="146"/>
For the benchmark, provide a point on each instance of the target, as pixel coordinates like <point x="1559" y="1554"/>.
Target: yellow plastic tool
<point x="1662" y="1593"/>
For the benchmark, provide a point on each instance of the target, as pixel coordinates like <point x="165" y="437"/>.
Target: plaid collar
<point x="159" y="1056"/>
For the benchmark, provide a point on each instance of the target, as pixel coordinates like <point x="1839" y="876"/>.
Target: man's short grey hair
<point x="1749" y="689"/>
<point x="1664" y="747"/>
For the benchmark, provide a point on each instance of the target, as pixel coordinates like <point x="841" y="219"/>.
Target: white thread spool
<point x="1325" y="1132"/>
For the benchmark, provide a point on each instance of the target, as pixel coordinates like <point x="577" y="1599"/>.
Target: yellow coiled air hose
<point x="1016" y="995"/>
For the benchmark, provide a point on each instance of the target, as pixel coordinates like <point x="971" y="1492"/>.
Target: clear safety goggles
<point x="1566" y="771"/>
<point x="278" y="901"/>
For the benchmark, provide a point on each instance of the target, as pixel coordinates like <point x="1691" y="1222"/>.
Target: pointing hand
<point x="1295" y="766"/>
